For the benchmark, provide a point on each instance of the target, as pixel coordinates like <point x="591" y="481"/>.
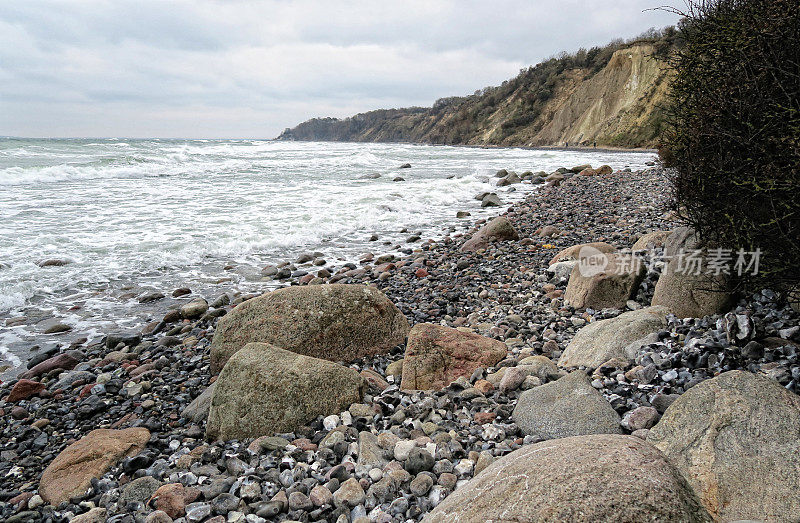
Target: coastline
<point x="503" y="292"/>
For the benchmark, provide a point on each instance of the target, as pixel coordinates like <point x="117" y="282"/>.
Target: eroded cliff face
<point x="619" y="105"/>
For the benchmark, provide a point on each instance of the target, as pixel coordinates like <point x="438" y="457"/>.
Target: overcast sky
<point x="230" y="69"/>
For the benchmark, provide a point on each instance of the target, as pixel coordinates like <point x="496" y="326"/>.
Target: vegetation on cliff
<point x="609" y="95"/>
<point x="734" y="130"/>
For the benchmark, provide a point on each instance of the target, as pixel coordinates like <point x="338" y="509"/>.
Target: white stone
<point x="330" y="422"/>
<point x="402" y="448"/>
<point x="464" y="467"/>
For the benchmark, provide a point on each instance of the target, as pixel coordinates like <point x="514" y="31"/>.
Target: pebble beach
<point x="415" y="440"/>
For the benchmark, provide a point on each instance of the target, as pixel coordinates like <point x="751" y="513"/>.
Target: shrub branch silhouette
<point x="733" y="131"/>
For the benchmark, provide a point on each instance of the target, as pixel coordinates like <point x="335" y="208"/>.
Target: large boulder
<point x="573" y="253"/>
<point x="651" y="240"/>
<point x="581" y="479"/>
<point x="602" y="340"/>
<point x="685" y="288"/>
<point x="333" y="322"/>
<point x="197" y="410"/>
<point x="264" y="390"/>
<point x="436" y="356"/>
<point x="71" y="473"/>
<point x="608" y="286"/>
<point x="736" y="439"/>
<point x="498" y="229"/>
<point x="566" y="407"/>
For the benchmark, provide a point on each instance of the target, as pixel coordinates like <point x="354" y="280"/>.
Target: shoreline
<point x="155" y="381"/>
<point x="601" y="149"/>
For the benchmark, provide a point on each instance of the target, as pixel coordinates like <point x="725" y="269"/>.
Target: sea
<point x="130" y="217"/>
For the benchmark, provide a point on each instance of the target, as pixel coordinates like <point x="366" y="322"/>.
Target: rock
<point x="172" y="499"/>
<point x="562" y="270"/>
<point x="599" y="287"/>
<point x="554" y="179"/>
<point x="158" y="516"/>
<point x="569" y="406"/>
<point x="603" y="340"/>
<point x="463" y="214"/>
<point x="395" y="369"/>
<point x="370" y="453"/>
<point x="573" y="253"/>
<point x="549" y="231"/>
<point x="320" y="496"/>
<point x="588" y="172"/>
<point x="299" y="501"/>
<point x="418" y="460"/>
<point x="579" y="168"/>
<point x="640" y="418"/>
<point x="491" y="200"/>
<point x="63" y="361"/>
<point x="24" y="389"/>
<point x="139" y="490"/>
<point x="54" y="326"/>
<point x="605" y="169"/>
<point x="436" y="355"/>
<point x="264" y="390"/>
<point x="499" y="229"/>
<point x="349" y="494"/>
<point x="736" y="438"/>
<point x="151" y="297"/>
<point x="335" y="322"/>
<point x="651" y="240"/>
<point x="405" y="166"/>
<point x="71" y="472"/>
<point x="197" y="410"/>
<point x="509" y="179"/>
<point x="95" y="515"/>
<point x="542" y="367"/>
<point x="194" y="309"/>
<point x="421" y="485"/>
<point x="685" y="293"/>
<point x="583" y="479"/>
<point x="53" y="263"/>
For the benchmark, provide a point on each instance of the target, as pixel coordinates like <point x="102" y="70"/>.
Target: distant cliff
<point x="608" y="95"/>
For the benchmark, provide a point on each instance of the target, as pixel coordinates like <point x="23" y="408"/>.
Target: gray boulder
<point x="685" y="293"/>
<point x="580" y="479"/>
<point x="602" y="340"/>
<point x="736" y="439"/>
<point x="197" y="410"/>
<point x="264" y="390"/>
<point x="498" y="229"/>
<point x="609" y="287"/>
<point x="491" y="200"/>
<point x="333" y="322"/>
<point x="566" y="407"/>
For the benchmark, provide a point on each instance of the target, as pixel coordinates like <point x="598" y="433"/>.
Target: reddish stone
<point x="484" y="417"/>
<point x="421" y="272"/>
<point x="85" y="390"/>
<point x="304" y="444"/>
<point x="484" y="386"/>
<point x="172" y="499"/>
<point x="21" y="500"/>
<point x="307" y="278"/>
<point x="374" y="379"/>
<point x="24" y="389"/>
<point x="141" y="369"/>
<point x="60" y="361"/>
<point x="436" y="355"/>
<point x="19" y="413"/>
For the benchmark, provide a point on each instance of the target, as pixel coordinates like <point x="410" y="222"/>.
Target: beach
<point x="394" y="454"/>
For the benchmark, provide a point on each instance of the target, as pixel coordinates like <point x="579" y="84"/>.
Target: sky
<point x="236" y="69"/>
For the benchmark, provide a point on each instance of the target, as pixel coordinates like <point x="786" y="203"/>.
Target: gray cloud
<point x="249" y="69"/>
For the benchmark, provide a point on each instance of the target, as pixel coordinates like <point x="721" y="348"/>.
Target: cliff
<point x="609" y="95"/>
